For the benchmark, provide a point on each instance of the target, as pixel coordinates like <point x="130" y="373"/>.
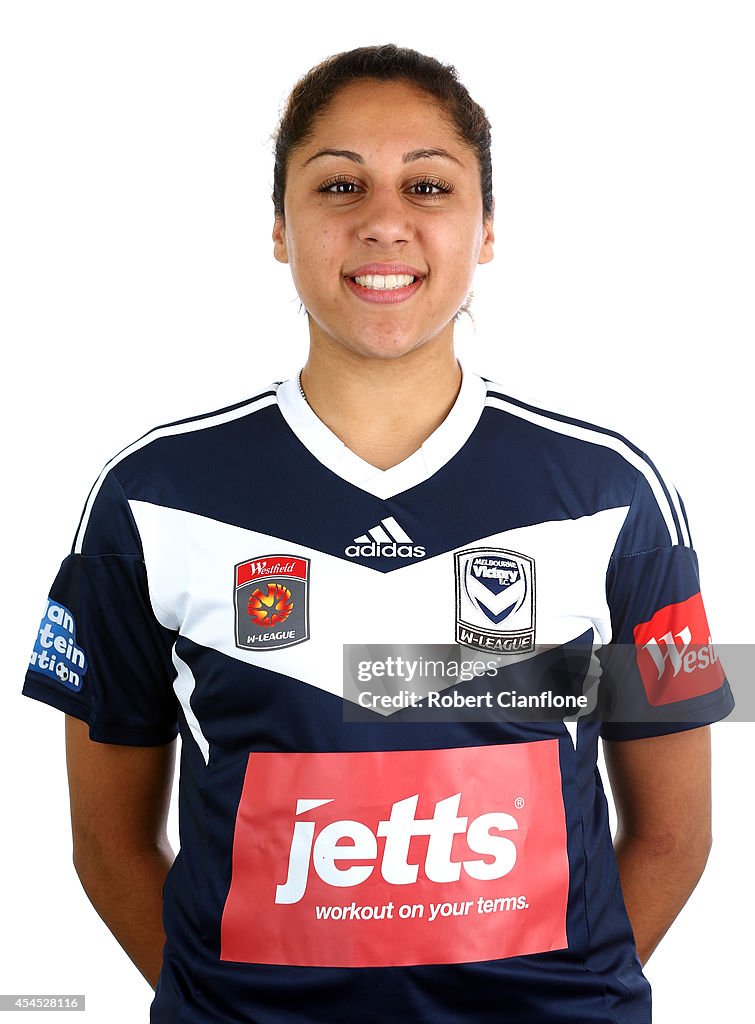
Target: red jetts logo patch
<point x="386" y="858"/>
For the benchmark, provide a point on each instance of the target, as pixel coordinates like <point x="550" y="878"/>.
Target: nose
<point x="385" y="218"/>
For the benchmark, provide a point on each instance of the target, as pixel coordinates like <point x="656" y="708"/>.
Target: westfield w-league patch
<point x="272" y="602"/>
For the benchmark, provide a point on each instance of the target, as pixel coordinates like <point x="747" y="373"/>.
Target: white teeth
<point x="383" y="283"/>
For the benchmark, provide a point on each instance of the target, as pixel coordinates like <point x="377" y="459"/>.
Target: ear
<point x="280" y="250"/>
<point x="488" y="238"/>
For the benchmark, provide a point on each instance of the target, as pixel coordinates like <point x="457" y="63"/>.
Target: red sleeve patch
<point x="675" y="655"/>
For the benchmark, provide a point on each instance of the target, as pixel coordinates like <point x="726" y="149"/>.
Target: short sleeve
<point x="661" y="672"/>
<point x="100" y="653"/>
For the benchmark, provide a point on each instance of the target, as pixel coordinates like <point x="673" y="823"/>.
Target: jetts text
<point x="329" y="850"/>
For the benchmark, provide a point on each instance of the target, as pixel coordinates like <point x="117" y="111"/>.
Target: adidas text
<point x="390" y="550"/>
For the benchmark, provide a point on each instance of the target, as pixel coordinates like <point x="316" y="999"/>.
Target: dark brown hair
<point x="316" y="89"/>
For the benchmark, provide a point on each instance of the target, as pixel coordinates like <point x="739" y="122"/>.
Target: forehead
<point x="380" y="113"/>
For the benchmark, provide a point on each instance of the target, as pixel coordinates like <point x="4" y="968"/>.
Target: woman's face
<point x="383" y="222"/>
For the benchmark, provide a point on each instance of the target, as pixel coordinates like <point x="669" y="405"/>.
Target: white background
<point x="139" y="287"/>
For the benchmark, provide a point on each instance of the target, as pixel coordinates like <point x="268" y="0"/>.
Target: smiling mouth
<point x="396" y="284"/>
<point x="384" y="282"/>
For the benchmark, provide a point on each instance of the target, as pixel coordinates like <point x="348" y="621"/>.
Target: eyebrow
<point x="407" y="158"/>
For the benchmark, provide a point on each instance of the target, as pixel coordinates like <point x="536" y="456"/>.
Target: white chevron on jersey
<point x="350" y="599"/>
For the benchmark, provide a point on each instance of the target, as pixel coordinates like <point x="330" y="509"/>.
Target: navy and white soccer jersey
<point x="441" y="869"/>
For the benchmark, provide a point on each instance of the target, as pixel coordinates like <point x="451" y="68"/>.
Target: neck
<point x="382" y="409"/>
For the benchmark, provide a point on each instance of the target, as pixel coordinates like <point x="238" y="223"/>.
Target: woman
<point x="420" y="866"/>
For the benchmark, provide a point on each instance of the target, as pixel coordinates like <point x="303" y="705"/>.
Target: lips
<point x="384" y="282"/>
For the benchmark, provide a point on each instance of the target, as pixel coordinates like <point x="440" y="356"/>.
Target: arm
<point x="119" y="805"/>
<point x="661" y="787"/>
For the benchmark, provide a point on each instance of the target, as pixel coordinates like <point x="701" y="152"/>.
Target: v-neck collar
<point x="439" y="448"/>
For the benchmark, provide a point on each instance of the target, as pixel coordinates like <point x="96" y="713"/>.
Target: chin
<point x="384" y="341"/>
<point x="386" y="345"/>
<point x="387" y="350"/>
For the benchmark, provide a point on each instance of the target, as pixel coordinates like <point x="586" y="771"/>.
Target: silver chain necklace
<point x="301" y="389"/>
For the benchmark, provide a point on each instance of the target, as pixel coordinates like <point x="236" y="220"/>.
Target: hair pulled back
<point x="317" y="88"/>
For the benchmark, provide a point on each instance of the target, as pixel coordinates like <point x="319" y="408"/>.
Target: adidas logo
<point x="386" y="540"/>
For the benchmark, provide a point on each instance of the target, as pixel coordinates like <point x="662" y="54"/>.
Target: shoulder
<point x="559" y="428"/>
<point x="590" y="459"/>
<point x="157" y="466"/>
<point x="187" y="438"/>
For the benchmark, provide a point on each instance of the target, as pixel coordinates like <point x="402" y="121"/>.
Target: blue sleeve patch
<point x="56" y="653"/>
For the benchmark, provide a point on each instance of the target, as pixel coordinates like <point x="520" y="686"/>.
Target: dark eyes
<point x="339" y="187"/>
<point x="426" y="188"/>
<point x="432" y="187"/>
